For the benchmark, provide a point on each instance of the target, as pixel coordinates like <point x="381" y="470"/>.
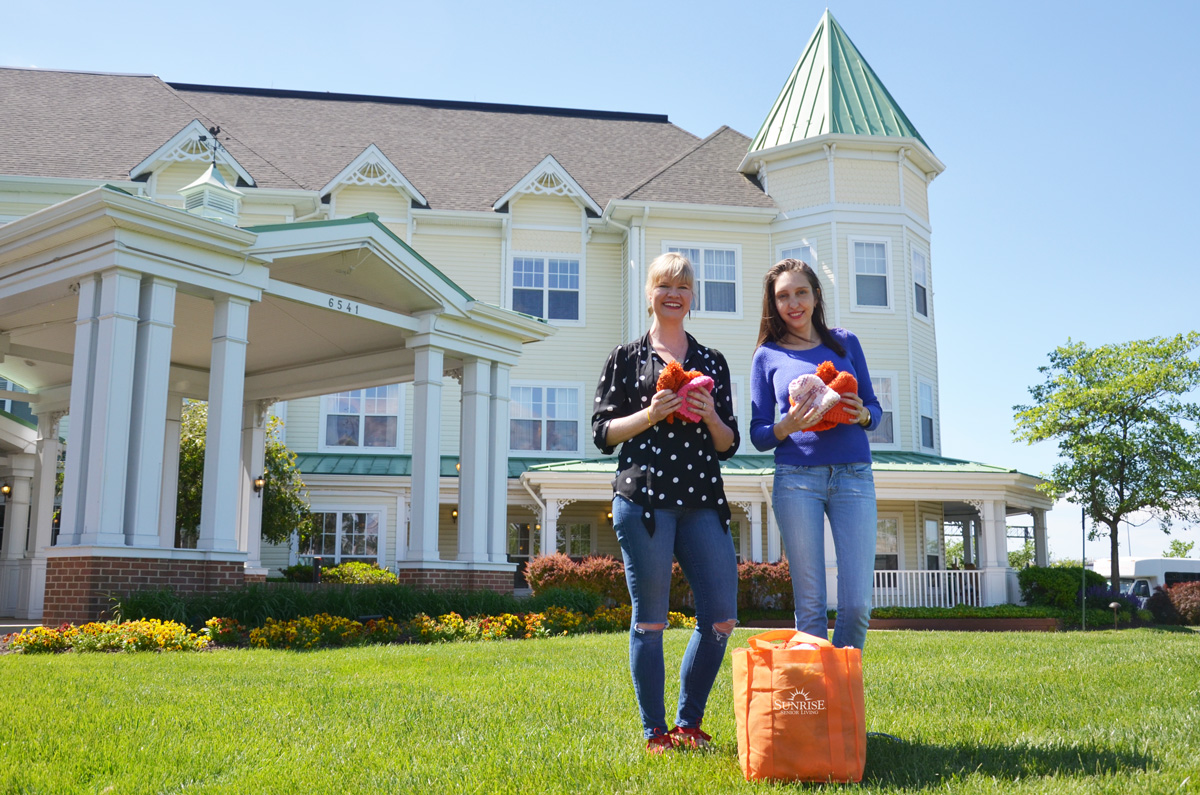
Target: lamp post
<point x="1115" y="607"/>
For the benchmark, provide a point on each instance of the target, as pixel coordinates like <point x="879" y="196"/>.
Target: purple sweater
<point x="773" y="369"/>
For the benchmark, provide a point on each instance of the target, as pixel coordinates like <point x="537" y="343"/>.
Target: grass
<point x="1038" y="712"/>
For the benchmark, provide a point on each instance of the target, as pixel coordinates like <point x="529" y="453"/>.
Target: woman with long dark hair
<point x="818" y="474"/>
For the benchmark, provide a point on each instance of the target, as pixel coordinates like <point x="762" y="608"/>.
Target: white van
<point x="1140" y="576"/>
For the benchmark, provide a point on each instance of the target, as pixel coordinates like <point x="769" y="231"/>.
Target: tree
<point x="1020" y="558"/>
<point x="1127" y="441"/>
<point x="285" y="507"/>
<point x="1179" y="549"/>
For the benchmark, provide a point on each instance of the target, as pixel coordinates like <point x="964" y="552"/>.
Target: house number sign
<point x="344" y="305"/>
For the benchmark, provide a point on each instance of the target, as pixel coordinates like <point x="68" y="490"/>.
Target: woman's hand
<point x="854" y="405"/>
<point x="701" y="401"/>
<point x="798" y="418"/>
<point x="664" y="403"/>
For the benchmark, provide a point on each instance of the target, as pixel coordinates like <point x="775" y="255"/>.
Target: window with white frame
<point x="933" y="544"/>
<point x="926" y="402"/>
<point x="803" y="252"/>
<point x="546" y="286"/>
<point x="544" y="418"/>
<point x="887" y="544"/>
<point x="340" y="536"/>
<point x="920" y="283"/>
<point x="884" y="434"/>
<point x="871" y="289"/>
<point x="366" y="419"/>
<point x="716" y="277"/>
<point x="574" y="540"/>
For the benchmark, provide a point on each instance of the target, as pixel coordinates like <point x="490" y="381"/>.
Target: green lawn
<point x="975" y="712"/>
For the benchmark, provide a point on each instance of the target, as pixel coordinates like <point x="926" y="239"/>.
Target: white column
<point x="968" y="531"/>
<point x="13" y="568"/>
<point x="498" y="441"/>
<point x="147" y="432"/>
<point x="41" y="516"/>
<point x="756" y="534"/>
<point x="250" y="503"/>
<point x="76" y="472"/>
<point x="473" y="476"/>
<point x="774" y="540"/>
<point x="426" y="453"/>
<point x="549" y="528"/>
<point x="103" y="520"/>
<point x="222" y="441"/>
<point x="994" y="558"/>
<point x="1041" y="549"/>
<point x="170" y="479"/>
<point x="401" y="544"/>
<point x="830" y="567"/>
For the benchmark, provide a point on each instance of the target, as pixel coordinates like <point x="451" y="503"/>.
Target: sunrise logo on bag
<point x="798" y="702"/>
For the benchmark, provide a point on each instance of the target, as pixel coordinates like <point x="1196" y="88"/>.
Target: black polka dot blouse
<point x="672" y="465"/>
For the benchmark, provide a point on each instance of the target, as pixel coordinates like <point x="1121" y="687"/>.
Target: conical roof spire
<point x="832" y="89"/>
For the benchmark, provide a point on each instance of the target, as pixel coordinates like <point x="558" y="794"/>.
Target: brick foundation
<point x="78" y="589"/>
<point x="457" y="580"/>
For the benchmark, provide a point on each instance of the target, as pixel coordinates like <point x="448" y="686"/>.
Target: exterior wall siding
<point x="800" y="186"/>
<point x="539" y="240"/>
<point x="916" y="194"/>
<point x="546" y="211"/>
<point x="470" y="256"/>
<point x="866" y="181"/>
<point x="389" y="203"/>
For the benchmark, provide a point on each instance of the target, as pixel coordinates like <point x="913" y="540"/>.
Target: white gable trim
<point x="373" y="168"/>
<point x="185" y="146"/>
<point x="549" y="178"/>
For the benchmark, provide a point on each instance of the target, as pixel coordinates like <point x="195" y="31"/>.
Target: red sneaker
<point x="659" y="742"/>
<point x="689" y="737"/>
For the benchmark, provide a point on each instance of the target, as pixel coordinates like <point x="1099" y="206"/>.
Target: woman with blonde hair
<point x="669" y="500"/>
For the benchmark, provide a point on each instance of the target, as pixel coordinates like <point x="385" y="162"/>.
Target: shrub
<point x="1162" y="608"/>
<point x="298" y="573"/>
<point x="560" y="621"/>
<point x="580" y="601"/>
<point x="550" y="571"/>
<point x="599" y="574"/>
<point x="765" y="586"/>
<point x="612" y="619"/>
<point x="1185" y="598"/>
<point x="681" y="593"/>
<point x="222" y="631"/>
<point x="1056" y="586"/>
<point x="307" y="633"/>
<point x="356" y="572"/>
<point x="1105" y="595"/>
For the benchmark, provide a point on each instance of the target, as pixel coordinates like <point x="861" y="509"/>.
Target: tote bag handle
<point x="790" y="637"/>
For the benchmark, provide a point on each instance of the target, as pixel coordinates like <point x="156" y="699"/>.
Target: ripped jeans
<point x="705" y="553"/>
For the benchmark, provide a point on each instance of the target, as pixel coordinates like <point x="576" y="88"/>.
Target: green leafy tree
<point x="1020" y="558"/>
<point x="1127" y="439"/>
<point x="285" y="506"/>
<point x="1179" y="549"/>
<point x="954" y="554"/>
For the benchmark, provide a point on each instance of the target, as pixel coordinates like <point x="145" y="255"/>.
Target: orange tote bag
<point x="799" y="710"/>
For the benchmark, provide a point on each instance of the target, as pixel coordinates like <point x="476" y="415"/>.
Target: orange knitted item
<point x="838" y="381"/>
<point x="675" y="378"/>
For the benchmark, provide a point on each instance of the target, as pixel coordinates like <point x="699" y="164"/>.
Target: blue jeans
<point x="705" y="553"/>
<point x="803" y="497"/>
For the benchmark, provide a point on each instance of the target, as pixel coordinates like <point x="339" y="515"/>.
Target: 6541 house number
<point x="343" y="305"/>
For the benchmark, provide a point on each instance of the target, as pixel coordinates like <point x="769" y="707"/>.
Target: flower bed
<point x="325" y="631"/>
<point x="145" y="635"/>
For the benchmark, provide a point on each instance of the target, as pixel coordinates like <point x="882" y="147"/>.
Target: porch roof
<point x="388" y="465"/>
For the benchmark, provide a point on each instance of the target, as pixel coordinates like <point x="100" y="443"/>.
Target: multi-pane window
<point x="804" y="252"/>
<point x="16" y="407"/>
<point x="543" y="418"/>
<point x="885" y="433"/>
<point x="520" y="540"/>
<point x="546" y="287"/>
<point x="363" y="418"/>
<point x="870" y="274"/>
<point x="716" y="277"/>
<point x="933" y="547"/>
<point x="339" y="536"/>
<point x="574" y="540"/>
<point x="887" y="544"/>
<point x="926" y="414"/>
<point x="920" y="284"/>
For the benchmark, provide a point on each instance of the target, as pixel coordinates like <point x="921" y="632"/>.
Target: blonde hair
<point x="671" y="266"/>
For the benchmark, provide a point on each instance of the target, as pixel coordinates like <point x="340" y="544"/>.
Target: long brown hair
<point x="772" y="328"/>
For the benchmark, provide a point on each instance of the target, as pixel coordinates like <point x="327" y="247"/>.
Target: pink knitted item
<point x="685" y="410"/>
<point x="811" y="384"/>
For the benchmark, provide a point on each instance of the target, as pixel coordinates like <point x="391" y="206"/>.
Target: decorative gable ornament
<point x="372" y="168"/>
<point x="209" y="197"/>
<point x="549" y="178"/>
<point x="192" y="144"/>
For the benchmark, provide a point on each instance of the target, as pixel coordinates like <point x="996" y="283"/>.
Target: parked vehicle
<point x="1140" y="576"/>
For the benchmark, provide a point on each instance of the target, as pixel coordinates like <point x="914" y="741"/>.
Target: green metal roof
<point x="372" y="218"/>
<point x="832" y="89"/>
<point x="750" y="465"/>
<point x="18" y="419"/>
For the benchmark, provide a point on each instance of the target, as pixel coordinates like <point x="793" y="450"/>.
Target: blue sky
<point x="1069" y="132"/>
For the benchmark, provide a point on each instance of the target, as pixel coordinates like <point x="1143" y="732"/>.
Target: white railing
<point x="926" y="588"/>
